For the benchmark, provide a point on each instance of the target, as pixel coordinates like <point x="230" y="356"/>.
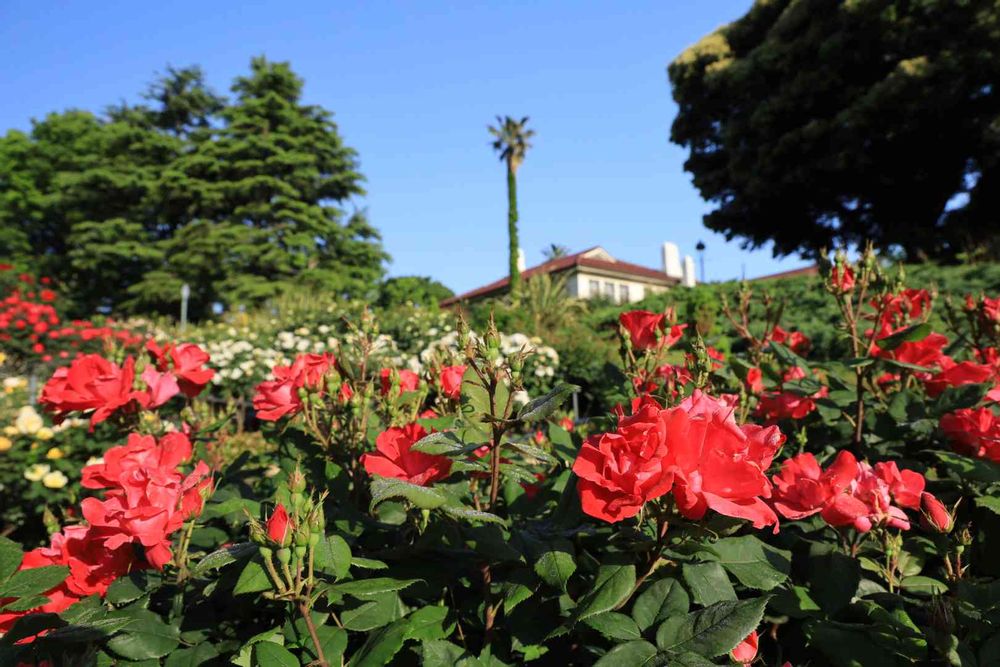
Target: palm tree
<point x="510" y="141"/>
<point x="555" y="251"/>
<point x="547" y="303"/>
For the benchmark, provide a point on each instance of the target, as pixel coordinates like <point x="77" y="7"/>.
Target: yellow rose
<point x="28" y="421"/>
<point x="3" y="358"/>
<point x="54" y="480"/>
<point x="44" y="433"/>
<point x="5" y="444"/>
<point x="10" y="430"/>
<point x="54" y="454"/>
<point x="36" y="472"/>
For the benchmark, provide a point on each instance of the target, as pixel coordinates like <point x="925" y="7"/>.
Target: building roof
<point x="585" y="259"/>
<point x="811" y="270"/>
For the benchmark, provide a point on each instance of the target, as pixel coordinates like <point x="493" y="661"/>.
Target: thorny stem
<point x="307" y="617"/>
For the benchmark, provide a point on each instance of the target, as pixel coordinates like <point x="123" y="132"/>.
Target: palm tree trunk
<point x="515" y="273"/>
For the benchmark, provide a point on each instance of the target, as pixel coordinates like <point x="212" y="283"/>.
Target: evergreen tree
<point x="242" y="200"/>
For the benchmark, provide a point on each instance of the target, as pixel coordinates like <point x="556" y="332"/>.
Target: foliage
<point x="818" y="123"/>
<point x="780" y="502"/>
<point x="241" y="199"/>
<point x="416" y="290"/>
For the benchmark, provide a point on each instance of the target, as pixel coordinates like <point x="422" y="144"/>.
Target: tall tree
<point x="510" y="141"/>
<point x="815" y="122"/>
<point x="243" y="200"/>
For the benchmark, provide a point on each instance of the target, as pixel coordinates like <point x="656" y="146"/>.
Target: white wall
<point x="579" y="286"/>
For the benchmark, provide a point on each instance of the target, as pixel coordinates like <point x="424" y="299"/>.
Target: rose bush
<point x="353" y="497"/>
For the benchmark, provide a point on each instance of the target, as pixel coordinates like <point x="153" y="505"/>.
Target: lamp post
<point x="701" y="258"/>
<point x="185" y="294"/>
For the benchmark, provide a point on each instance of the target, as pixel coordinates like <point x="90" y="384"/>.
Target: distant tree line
<point x="242" y="198"/>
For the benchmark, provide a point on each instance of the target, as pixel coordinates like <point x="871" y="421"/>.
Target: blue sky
<point x="413" y="86"/>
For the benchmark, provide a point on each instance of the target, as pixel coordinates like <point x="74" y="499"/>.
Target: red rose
<point x="186" y="361"/>
<point x="147" y="497"/>
<point x="973" y="432"/>
<point x="645" y="329"/>
<point x="719" y="464"/>
<point x="393" y="457"/>
<point x="755" y="380"/>
<point x="745" y="652"/>
<point x="620" y="471"/>
<point x="91" y="382"/>
<point x="936" y="516"/>
<point x="160" y="387"/>
<point x="277" y="525"/>
<point x="991" y="309"/>
<point x="408" y="380"/>
<point x="956" y="374"/>
<point x="796" y="341"/>
<point x="278" y="397"/>
<point x="868" y="500"/>
<point x="777" y="405"/>
<point x="566" y="423"/>
<point x="842" y="279"/>
<point x="927" y="352"/>
<point x="451" y="381"/>
<point x="802" y="488"/>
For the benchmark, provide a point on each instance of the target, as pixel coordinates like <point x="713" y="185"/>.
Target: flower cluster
<point x="696" y="450"/>
<point x="94" y="384"/>
<point x="147" y="498"/>
<point x="973" y="432"/>
<point x="282" y="396"/>
<point x="849" y="493"/>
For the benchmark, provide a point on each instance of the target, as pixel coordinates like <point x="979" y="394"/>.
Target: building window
<point x="609" y="291"/>
<point x="623" y="294"/>
<point x="595" y="288"/>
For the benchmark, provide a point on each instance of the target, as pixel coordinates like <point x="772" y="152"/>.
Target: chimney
<point x="672" y="260"/>
<point x="521" y="266"/>
<point x="688" y="279"/>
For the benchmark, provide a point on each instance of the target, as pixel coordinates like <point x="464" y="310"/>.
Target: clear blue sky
<point x="413" y="86"/>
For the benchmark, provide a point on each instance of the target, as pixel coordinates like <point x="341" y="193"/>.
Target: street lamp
<point x="185" y="294"/>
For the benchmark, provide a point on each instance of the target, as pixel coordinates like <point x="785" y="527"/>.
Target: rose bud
<point x="746" y="650"/>
<point x="936" y="516"/>
<point x="277" y="525"/>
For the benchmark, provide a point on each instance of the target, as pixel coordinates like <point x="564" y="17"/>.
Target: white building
<point x="594" y="272"/>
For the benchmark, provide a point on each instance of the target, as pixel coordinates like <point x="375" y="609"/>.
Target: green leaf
<point x="384" y="488"/>
<point x="376" y="612"/>
<point x="441" y="443"/>
<point x="754" y="563"/>
<point x="962" y="396"/>
<point x="127" y="589"/>
<point x="381" y="645"/>
<point x="663" y="599"/>
<point x="632" y="654"/>
<point x="428" y="623"/>
<point x="708" y="583"/>
<point x="992" y="503"/>
<point x="612" y="587"/>
<point x="543" y="406"/>
<point x="267" y="654"/>
<point x="333" y="555"/>
<point x="712" y="631"/>
<point x="531" y="451"/>
<point x="969" y="468"/>
<point x="366" y="588"/>
<point x="10" y="557"/>
<point x="224" y="556"/>
<point x="470" y="514"/>
<point x="253" y="579"/>
<point x="555" y="564"/>
<point x="519" y="586"/>
<point x="562" y="443"/>
<point x="614" y="625"/>
<point x="834" y="580"/>
<point x="367" y="563"/>
<point x="441" y="654"/>
<point x="921" y="585"/>
<point x="31" y="625"/>
<point x="242" y="658"/>
<point x="910" y="334"/>
<point x="146" y="638"/>
<point x="33" y="581"/>
<point x="192" y="657"/>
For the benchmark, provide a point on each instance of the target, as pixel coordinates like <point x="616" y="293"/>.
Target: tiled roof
<point x="563" y="263"/>
<point x="811" y="270"/>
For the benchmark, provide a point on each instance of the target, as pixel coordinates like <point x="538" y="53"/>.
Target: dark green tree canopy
<point x="814" y="122"/>
<point x="416" y="290"/>
<point x="242" y="199"/>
